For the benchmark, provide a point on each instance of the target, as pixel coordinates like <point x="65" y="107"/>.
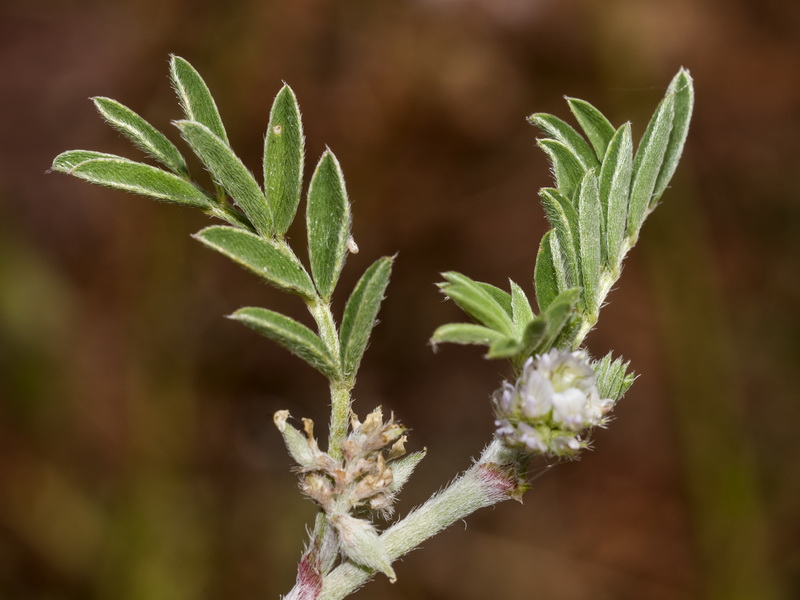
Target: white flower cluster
<point x="551" y="404"/>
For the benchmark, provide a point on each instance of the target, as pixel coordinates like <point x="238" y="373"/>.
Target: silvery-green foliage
<point x="142" y="134"/>
<point x="615" y="194"/>
<point x="229" y="173"/>
<point x="360" y="313"/>
<point x="602" y="196"/>
<point x="122" y="174"/>
<point x="290" y="334"/>
<point x="328" y="223"/>
<point x="604" y="190"/>
<point x="257" y="216"/>
<point x="270" y="261"/>
<point x="195" y="98"/>
<point x="284" y="153"/>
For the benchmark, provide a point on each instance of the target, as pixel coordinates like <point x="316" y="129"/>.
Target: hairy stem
<point x="340" y="389"/>
<point x="492" y="479"/>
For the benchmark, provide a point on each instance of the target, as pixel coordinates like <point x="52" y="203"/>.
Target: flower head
<point x="551" y="405"/>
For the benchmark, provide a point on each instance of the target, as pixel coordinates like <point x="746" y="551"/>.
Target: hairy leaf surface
<point x="129" y="176"/>
<point x="360" y="313"/>
<point x="264" y="258"/>
<point x="596" y="126"/>
<point x="141" y="133"/>
<point x="195" y="98"/>
<point x="545" y="282"/>
<point x="295" y="337"/>
<point x="328" y="223"/>
<point x="284" y="152"/>
<point x="647" y="164"/>
<point x="230" y="173"/>
<point x="615" y="183"/>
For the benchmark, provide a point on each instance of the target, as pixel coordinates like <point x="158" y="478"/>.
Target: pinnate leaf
<point x="283" y="159"/>
<point x="328" y="223"/>
<point x="360" y="313"/>
<point x="266" y="259"/>
<point x="290" y="334"/>
<point x="141" y="133"/>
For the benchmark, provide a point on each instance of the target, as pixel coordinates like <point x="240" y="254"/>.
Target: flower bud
<point x="551" y="405"/>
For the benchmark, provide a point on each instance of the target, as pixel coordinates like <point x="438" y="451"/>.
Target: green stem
<point x="340" y="417"/>
<point x="340" y="388"/>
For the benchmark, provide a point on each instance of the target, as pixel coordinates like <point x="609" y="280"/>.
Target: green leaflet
<point x="506" y="347"/>
<point x="567" y="168"/>
<point x="594" y="124"/>
<point x="612" y="376"/>
<point x="647" y="164"/>
<point x="66" y="161"/>
<point x="521" y="311"/>
<point x="123" y="174"/>
<point x="682" y="89"/>
<point x="542" y="333"/>
<point x="466" y="333"/>
<point x="229" y="172"/>
<point x="615" y="183"/>
<point x="566" y="134"/>
<point x="559" y="317"/>
<point x="194" y="96"/>
<point x="563" y="217"/>
<point x="564" y="270"/>
<point x="590" y="242"/>
<point x="142" y="134"/>
<point x="295" y="337"/>
<point x="474" y="300"/>
<point x="545" y="282"/>
<point x="264" y="258"/>
<point x="327" y="223"/>
<point x="534" y="336"/>
<point x="360" y="313"/>
<point x="502" y="297"/>
<point x="283" y="159"/>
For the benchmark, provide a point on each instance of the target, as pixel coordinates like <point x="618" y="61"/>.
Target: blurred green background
<point x="137" y="455"/>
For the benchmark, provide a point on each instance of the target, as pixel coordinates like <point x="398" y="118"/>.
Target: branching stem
<point x="487" y="482"/>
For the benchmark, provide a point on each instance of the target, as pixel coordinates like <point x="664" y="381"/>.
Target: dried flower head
<point x="551" y="405"/>
<point x="366" y="478"/>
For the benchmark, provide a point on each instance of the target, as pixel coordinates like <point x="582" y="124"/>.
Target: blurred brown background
<point x="137" y="455"/>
